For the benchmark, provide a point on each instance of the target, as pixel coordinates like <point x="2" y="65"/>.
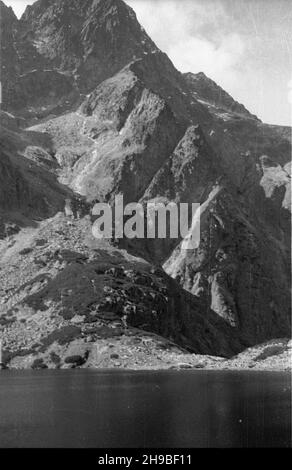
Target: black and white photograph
<point x="145" y="228"/>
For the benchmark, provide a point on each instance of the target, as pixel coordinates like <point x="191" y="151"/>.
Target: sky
<point x="244" y="45"/>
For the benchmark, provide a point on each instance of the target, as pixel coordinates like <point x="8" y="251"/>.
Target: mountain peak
<point x="80" y="6"/>
<point x="93" y="39"/>
<point x="6" y="14"/>
<point x="208" y="90"/>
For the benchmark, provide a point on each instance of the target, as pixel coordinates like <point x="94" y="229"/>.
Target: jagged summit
<point x="40" y="6"/>
<point x="6" y="12"/>
<point x="206" y="89"/>
<point x="84" y="41"/>
<point x="61" y="50"/>
<point x="92" y="39"/>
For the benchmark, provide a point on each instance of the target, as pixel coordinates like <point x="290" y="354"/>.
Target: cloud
<point x="243" y="45"/>
<point x="188" y="32"/>
<point x="290" y="95"/>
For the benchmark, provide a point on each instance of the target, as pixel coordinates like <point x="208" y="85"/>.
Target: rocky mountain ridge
<point x="59" y="51"/>
<point x="92" y="109"/>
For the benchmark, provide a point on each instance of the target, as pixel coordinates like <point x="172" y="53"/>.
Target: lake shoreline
<point x="273" y="356"/>
<point x="170" y="369"/>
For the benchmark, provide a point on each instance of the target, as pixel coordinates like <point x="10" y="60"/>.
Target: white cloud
<point x="179" y="29"/>
<point x="290" y="92"/>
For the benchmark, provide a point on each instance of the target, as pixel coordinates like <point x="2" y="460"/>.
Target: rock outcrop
<point x="29" y="188"/>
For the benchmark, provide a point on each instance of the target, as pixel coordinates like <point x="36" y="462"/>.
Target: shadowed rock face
<point x="148" y="132"/>
<point x="206" y="89"/>
<point x="92" y="39"/>
<point x="63" y="49"/>
<point x="8" y="56"/>
<point x="29" y="189"/>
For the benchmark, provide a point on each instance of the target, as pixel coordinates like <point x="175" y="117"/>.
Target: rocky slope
<point x="58" y="284"/>
<point x="60" y="50"/>
<point x="208" y="92"/>
<point x="68" y="300"/>
<point x="29" y="189"/>
<point x="100" y="111"/>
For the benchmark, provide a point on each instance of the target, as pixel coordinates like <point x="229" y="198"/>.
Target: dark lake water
<point x="86" y="408"/>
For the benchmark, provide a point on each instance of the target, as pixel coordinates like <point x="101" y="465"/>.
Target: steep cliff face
<point x="109" y="114"/>
<point x="29" y="189"/>
<point x="60" y="50"/>
<point x="92" y="40"/>
<point x="241" y="266"/>
<point x="9" y="63"/>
